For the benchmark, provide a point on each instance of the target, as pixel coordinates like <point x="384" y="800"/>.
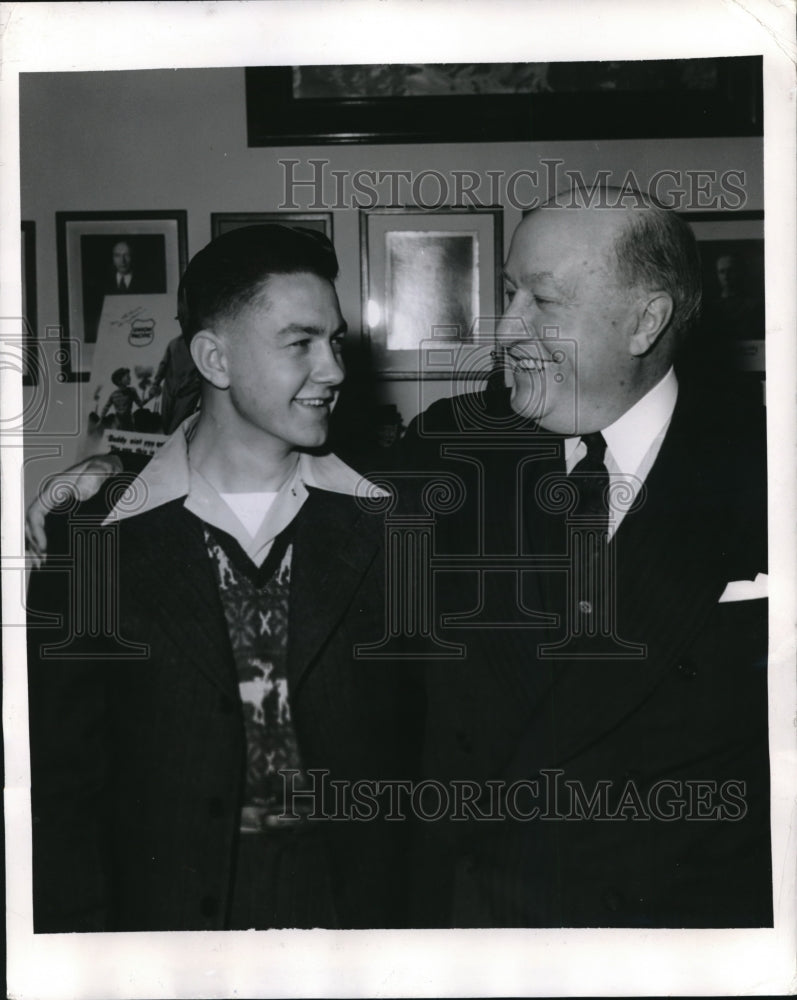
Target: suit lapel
<point x="670" y="552"/>
<point x="668" y="578"/>
<point x="334" y="544"/>
<point x="669" y="574"/>
<point x="506" y="649"/>
<point x="165" y="566"/>
<point x="544" y="525"/>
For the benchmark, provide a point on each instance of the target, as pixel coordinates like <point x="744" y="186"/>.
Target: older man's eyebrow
<point x="538" y="278"/>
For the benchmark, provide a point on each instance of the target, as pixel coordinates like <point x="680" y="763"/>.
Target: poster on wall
<point x="143" y="380"/>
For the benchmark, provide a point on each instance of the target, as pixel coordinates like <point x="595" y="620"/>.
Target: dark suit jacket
<point x="136" y="285"/>
<point x="691" y="710"/>
<point x="137" y="763"/>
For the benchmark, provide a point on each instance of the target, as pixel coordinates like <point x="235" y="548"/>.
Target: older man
<point x="607" y="730"/>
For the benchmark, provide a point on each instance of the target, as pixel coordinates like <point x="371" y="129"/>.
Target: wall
<point x="164" y="139"/>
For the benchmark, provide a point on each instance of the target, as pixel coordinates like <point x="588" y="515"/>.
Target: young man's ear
<point x="654" y="318"/>
<point x="207" y="350"/>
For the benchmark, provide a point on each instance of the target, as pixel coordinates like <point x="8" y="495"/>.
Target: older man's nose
<point x="512" y="329"/>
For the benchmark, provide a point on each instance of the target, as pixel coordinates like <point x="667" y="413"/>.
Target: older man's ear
<point x="655" y="313"/>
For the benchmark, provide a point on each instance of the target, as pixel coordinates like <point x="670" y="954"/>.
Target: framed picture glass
<point x="431" y="290"/>
<point x="732" y="254"/>
<point x="103" y="256"/>
<point x="223" y="222"/>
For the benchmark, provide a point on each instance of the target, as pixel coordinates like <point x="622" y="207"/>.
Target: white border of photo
<point x="69" y="36"/>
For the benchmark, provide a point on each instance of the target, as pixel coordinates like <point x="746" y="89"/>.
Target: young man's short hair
<point x="118" y="375"/>
<point x="231" y="269"/>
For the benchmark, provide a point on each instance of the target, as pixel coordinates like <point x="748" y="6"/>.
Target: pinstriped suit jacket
<point x="691" y="710"/>
<point x="137" y="763"/>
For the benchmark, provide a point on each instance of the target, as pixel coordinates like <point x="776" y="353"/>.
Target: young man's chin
<point x="311" y="437"/>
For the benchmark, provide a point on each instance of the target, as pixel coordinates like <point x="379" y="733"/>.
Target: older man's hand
<point x="75" y="485"/>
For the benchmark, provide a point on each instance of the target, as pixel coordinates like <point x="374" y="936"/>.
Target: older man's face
<point x="568" y="323"/>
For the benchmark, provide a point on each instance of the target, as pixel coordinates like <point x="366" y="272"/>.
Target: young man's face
<point x="283" y="354"/>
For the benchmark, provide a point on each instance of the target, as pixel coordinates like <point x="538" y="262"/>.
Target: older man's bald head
<point x="652" y="247"/>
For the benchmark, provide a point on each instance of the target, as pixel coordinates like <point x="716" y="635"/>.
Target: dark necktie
<point x="590" y="607"/>
<point x="591" y="479"/>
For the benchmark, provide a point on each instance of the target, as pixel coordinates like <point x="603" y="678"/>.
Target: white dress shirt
<point x="632" y="445"/>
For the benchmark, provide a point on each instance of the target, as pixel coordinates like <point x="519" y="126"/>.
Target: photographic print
<point x="103" y="256"/>
<point x="502" y="704"/>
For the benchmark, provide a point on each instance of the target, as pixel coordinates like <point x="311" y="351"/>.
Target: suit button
<point x="209" y="906"/>
<point x="216" y="807"/>
<point x="612" y="900"/>
<point x="585" y="607"/>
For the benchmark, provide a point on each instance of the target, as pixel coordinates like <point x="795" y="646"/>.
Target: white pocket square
<point x="745" y="590"/>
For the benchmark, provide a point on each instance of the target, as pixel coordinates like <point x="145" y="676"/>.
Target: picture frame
<point x="432" y="291"/>
<point x="30" y="347"/>
<point x="223" y="222"/>
<point x="90" y="251"/>
<point x="731" y="247"/>
<point x="501" y="102"/>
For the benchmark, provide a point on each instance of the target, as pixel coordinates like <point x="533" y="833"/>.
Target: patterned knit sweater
<point x="255" y="601"/>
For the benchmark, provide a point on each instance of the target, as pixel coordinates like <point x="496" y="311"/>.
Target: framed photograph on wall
<point x="30" y="358"/>
<point x="431" y="290"/>
<point x="103" y="256"/>
<point x="499" y="102"/>
<point x="732" y="254"/>
<point x="223" y="222"/>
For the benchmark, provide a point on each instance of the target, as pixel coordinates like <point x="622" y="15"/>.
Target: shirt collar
<point x="169" y="476"/>
<point x="165" y="477"/>
<point x="631" y="436"/>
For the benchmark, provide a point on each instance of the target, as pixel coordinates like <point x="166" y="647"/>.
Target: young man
<point x="236" y="576"/>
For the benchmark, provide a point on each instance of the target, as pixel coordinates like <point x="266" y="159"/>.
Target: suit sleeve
<point x="419" y="450"/>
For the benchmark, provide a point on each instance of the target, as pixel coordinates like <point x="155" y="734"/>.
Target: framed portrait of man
<point x="104" y="256"/>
